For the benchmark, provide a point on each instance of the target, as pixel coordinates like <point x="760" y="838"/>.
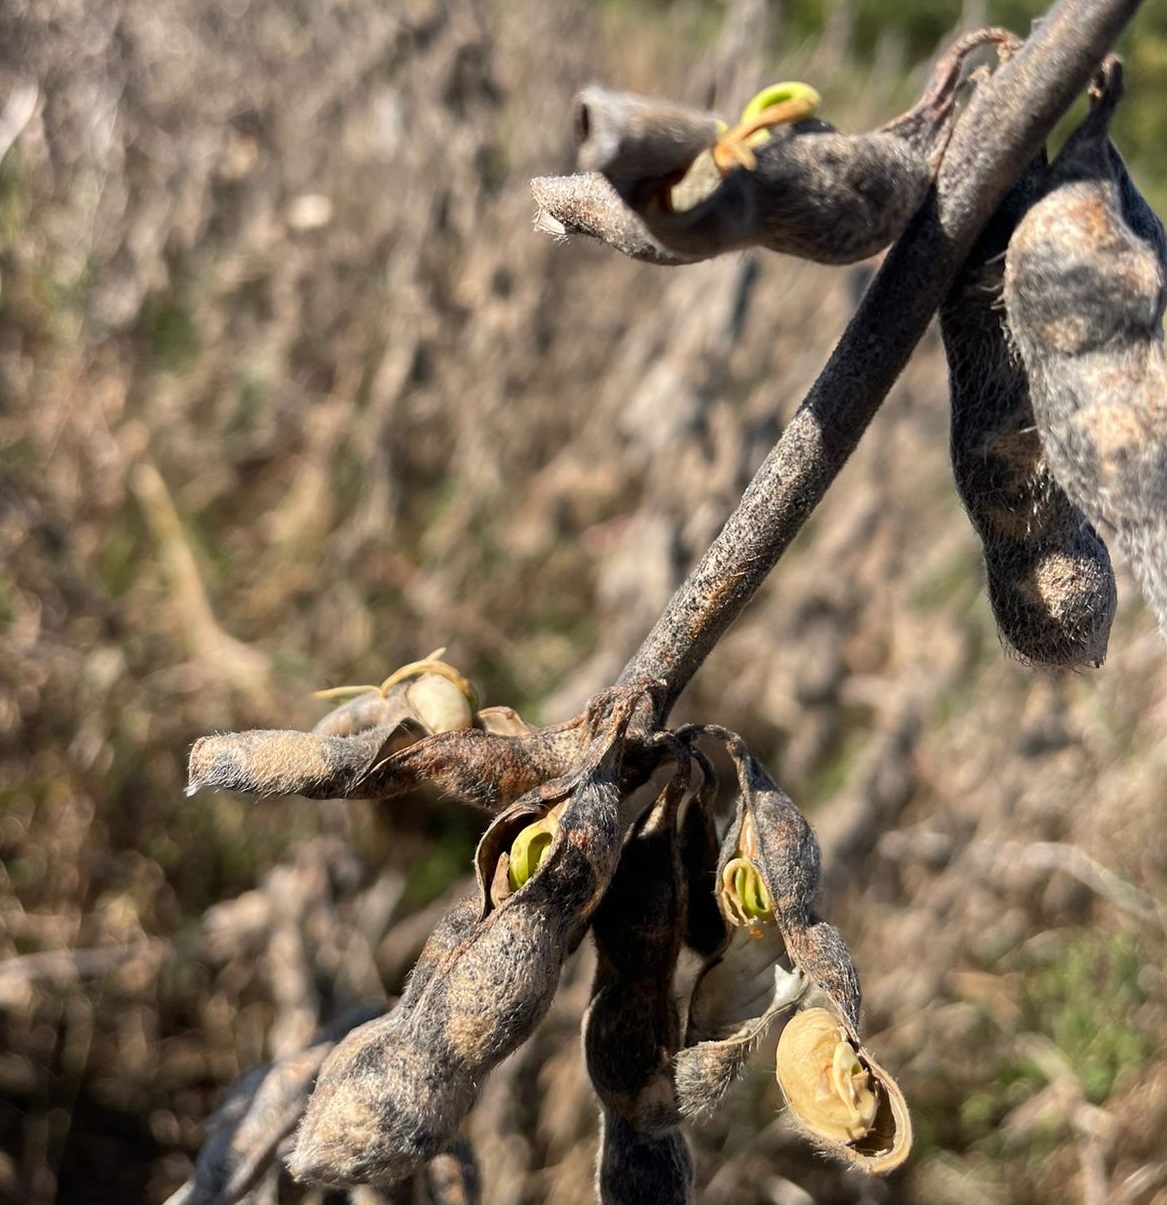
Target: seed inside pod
<point x="839" y="1096"/>
<point x="530" y="848"/>
<point x="828" y="1089"/>
<point x="743" y="894"/>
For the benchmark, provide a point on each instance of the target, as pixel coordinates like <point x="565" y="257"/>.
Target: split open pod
<point x="783" y="964"/>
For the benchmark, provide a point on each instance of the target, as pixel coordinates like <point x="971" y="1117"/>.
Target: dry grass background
<point x="291" y="393"/>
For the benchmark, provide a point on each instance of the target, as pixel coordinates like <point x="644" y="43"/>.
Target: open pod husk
<point x="779" y="955"/>
<point x="738" y="997"/>
<point x="839" y="1096"/>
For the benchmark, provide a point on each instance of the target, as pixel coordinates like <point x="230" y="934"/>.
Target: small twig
<point x="1007" y="120"/>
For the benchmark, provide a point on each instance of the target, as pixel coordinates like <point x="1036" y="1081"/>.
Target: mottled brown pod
<point x="779" y="955"/>
<point x="483" y="769"/>
<point x="393" y="1096"/>
<point x="1085" y="289"/>
<point x="1050" y="582"/>
<point x="806" y="189"/>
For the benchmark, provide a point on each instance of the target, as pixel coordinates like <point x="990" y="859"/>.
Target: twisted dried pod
<point x="753" y="977"/>
<point x="1085" y="289"/>
<point x="484" y="769"/>
<point x="779" y="954"/>
<point x="780" y="849"/>
<point x="394" y="1095"/>
<point x="258" y="1113"/>
<point x="1050" y="582"/>
<point x="803" y="188"/>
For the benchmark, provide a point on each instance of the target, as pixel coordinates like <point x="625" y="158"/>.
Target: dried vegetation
<point x="291" y="393"/>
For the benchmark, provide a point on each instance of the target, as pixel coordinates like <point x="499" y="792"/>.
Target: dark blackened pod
<point x="258" y="1113"/>
<point x="395" y="1095"/>
<point x="1085" y="289"/>
<point x="632" y="1027"/>
<point x="700" y="851"/>
<point x="1050" y="581"/>
<point x="635" y="1167"/>
<point x="800" y="186"/>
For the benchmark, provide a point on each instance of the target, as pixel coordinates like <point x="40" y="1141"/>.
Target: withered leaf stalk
<point x="565" y="850"/>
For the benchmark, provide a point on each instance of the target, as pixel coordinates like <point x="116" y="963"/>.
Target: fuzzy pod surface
<point x="1085" y="290"/>
<point x="394" y="1095"/>
<point x="1049" y="578"/>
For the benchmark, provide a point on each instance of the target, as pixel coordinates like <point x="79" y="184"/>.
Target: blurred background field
<point x="291" y="393"/>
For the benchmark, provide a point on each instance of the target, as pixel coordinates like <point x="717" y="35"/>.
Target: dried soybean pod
<point x="635" y="1167"/>
<point x="1050" y="582"/>
<point x="1085" y="288"/>
<point x="487" y="770"/>
<point x="632" y="1028"/>
<point x="259" y="1111"/>
<point x="705" y="929"/>
<point x="394" y="1096"/>
<point x="812" y="191"/>
<point x="771" y="878"/>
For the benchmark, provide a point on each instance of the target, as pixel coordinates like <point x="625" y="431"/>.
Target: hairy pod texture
<point x="393" y="1096"/>
<point x="380" y="746"/>
<point x="780" y="955"/>
<point x="390" y="1096"/>
<point x="263" y="1108"/>
<point x="802" y="188"/>
<point x="1085" y="289"/>
<point x="1050" y="581"/>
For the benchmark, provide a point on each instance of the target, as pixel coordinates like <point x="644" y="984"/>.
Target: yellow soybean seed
<point x="529" y="849"/>
<point x="828" y="1089"/>
<point x="433" y="664"/>
<point x="751" y="891"/>
<point x="745" y="894"/>
<point x="779" y="104"/>
<point x="802" y="98"/>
